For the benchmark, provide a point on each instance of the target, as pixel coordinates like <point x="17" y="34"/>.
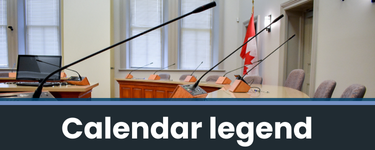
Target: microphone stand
<point x="240" y="68"/>
<point x="165" y="67"/>
<point x="130" y="76"/>
<point x="196" y="68"/>
<point x="192" y="78"/>
<point x="38" y="91"/>
<point x="267" y="56"/>
<point x="141" y="67"/>
<point x="157" y="77"/>
<point x="80" y="78"/>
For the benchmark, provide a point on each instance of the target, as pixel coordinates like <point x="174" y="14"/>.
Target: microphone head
<point x="292" y="36"/>
<point x="278" y="18"/>
<point x="205" y="7"/>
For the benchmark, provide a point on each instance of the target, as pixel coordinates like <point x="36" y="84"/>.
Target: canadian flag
<point x="249" y="50"/>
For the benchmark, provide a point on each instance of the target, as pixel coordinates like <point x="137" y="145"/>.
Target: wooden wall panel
<point x="137" y="93"/>
<point x="125" y="92"/>
<point x="149" y="93"/>
<point x="160" y="94"/>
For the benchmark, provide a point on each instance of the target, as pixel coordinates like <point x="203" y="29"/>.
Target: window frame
<point x="164" y="36"/>
<point x="25" y="28"/>
<point x="171" y="38"/>
<point x="11" y="36"/>
<point x="16" y="39"/>
<point x="214" y="40"/>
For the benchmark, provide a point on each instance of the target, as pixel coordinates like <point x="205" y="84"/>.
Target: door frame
<point x="283" y="37"/>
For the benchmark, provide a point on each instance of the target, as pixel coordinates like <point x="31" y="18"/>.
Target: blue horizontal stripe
<point x="211" y="101"/>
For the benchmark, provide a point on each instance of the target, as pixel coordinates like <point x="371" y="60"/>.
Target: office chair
<point x="253" y="79"/>
<point x="4" y="74"/>
<point x="165" y="76"/>
<point x="354" y="91"/>
<point x="212" y="78"/>
<point x="325" y="89"/>
<point x="295" y="79"/>
<point x="182" y="77"/>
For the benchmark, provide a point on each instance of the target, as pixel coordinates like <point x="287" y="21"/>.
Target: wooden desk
<point x="133" y="88"/>
<point x="7" y="79"/>
<point x="66" y="91"/>
<point x="267" y="91"/>
<point x="10" y="79"/>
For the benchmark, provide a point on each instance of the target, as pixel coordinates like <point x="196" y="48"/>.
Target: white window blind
<point x="147" y="48"/>
<point x="196" y="36"/>
<point x="3" y="34"/>
<point x="42" y="27"/>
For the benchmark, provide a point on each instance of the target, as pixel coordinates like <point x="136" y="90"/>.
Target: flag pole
<point x="253" y="7"/>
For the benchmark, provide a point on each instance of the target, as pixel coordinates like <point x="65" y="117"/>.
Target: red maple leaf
<point x="244" y="70"/>
<point x="248" y="58"/>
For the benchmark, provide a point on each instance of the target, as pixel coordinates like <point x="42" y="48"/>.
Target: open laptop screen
<point x="37" y="67"/>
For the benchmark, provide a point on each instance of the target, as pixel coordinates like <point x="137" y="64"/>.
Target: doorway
<point x="299" y="53"/>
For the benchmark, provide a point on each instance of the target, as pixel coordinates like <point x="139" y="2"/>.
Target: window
<point x="195" y="36"/>
<point x="28" y="27"/>
<point x="187" y="42"/>
<point x="3" y="34"/>
<point x="147" y="48"/>
<point x="42" y="27"/>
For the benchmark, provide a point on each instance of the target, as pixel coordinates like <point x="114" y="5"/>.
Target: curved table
<point x="259" y="91"/>
<point x="135" y="88"/>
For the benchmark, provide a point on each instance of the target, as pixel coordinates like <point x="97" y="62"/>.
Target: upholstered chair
<point x="253" y="79"/>
<point x="295" y="79"/>
<point x="354" y="91"/>
<point x="325" y="89"/>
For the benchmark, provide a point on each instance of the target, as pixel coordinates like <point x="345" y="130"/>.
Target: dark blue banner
<point x="175" y="126"/>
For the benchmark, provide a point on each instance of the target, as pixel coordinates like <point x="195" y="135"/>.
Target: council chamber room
<point x="187" y="48"/>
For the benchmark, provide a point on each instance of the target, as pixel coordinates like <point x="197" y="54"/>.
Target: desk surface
<point x="267" y="91"/>
<point x="6" y="78"/>
<point x="64" y="88"/>
<point x="13" y="78"/>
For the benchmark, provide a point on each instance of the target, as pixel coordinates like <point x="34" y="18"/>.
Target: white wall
<point x="86" y="29"/>
<point x="346" y="44"/>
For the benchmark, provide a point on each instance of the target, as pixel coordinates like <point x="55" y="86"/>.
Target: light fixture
<point x="267" y="21"/>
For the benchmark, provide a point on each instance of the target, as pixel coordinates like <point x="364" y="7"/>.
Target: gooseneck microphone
<point x="165" y="67"/>
<point x="204" y="7"/>
<point x="240" y="68"/>
<point x="267" y="56"/>
<point x="80" y="78"/>
<point x="38" y="91"/>
<point x="196" y="68"/>
<point x="196" y="83"/>
<point x="141" y="67"/>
